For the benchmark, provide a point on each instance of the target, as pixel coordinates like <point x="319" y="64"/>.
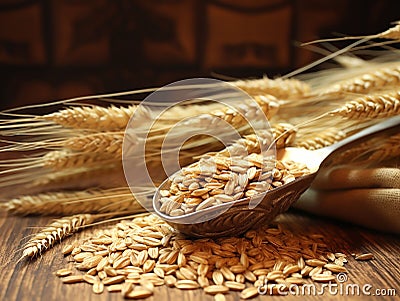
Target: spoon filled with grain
<point x="238" y="188"/>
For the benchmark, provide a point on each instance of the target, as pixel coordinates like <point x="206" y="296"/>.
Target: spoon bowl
<point x="235" y="218"/>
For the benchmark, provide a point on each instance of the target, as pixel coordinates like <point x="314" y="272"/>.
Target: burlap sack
<point x="369" y="197"/>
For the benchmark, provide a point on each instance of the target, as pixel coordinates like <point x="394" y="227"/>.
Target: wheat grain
<point x="280" y="88"/>
<point x="56" y="231"/>
<point x="335" y="268"/>
<point x="249" y="292"/>
<point x="72" y="279"/>
<point x="383" y="78"/>
<point x="186" y="284"/>
<point x="365" y="256"/>
<point x="370" y="106"/>
<point x="138" y="294"/>
<point x="323" y="278"/>
<point x="67" y="249"/>
<point x="63" y="272"/>
<point x="216" y="289"/>
<point x="219" y="297"/>
<point x="98" y="287"/>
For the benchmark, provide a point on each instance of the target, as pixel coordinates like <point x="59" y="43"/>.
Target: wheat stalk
<point x="280" y="88"/>
<point x="392" y="33"/>
<point x="383" y="78"/>
<point x="322" y="139"/>
<point x="75" y="202"/>
<point x="55" y="231"/>
<point x="370" y="106"/>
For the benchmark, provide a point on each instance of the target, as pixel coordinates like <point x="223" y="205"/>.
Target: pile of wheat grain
<point x="133" y="257"/>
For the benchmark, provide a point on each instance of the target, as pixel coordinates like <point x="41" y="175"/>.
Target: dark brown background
<point x="54" y="49"/>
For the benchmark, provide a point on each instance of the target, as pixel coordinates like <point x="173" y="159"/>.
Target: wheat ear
<point x="55" y="231"/>
<point x="322" y="139"/>
<point x="102" y="176"/>
<point x="239" y="116"/>
<point x="92" y="117"/>
<point x="284" y="134"/>
<point x="384" y="78"/>
<point x="107" y="142"/>
<point x="370" y="106"/>
<point x="24" y="170"/>
<point x="64" y="159"/>
<point x="390" y="148"/>
<point x="75" y="202"/>
<point x="280" y="88"/>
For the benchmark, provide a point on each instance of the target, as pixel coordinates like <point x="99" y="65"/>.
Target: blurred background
<point x="56" y="49"/>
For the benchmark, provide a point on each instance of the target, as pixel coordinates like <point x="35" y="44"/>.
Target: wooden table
<point x="34" y="280"/>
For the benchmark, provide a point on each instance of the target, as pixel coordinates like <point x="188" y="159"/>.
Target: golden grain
<point x="114" y="280"/>
<point x="335" y="268"/>
<point x="63" y="272"/>
<point x="138" y="294"/>
<point x="365" y="256"/>
<point x="114" y="288"/>
<point x="249" y="292"/>
<point x="219" y="297"/>
<point x="186" y="284"/>
<point x="323" y="278"/>
<point x="72" y="279"/>
<point x="236" y="286"/>
<point x="216" y="289"/>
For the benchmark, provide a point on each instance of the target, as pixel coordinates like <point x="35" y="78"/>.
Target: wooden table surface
<point x="34" y="280"/>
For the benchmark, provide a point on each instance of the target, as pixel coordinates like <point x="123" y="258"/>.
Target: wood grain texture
<point x="35" y="280"/>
